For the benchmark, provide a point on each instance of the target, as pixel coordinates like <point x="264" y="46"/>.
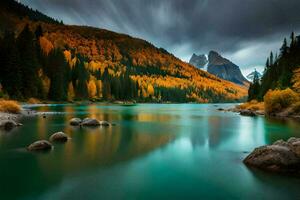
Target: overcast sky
<point x="244" y="31"/>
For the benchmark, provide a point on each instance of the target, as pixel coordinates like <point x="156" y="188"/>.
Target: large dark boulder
<point x="41" y="145"/>
<point x="281" y="156"/>
<point x="59" y="137"/>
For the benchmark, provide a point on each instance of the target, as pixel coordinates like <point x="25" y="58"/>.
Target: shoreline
<point x="253" y="113"/>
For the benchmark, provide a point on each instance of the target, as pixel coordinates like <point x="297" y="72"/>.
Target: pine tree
<point x="31" y="84"/>
<point x="284" y="48"/>
<point x="11" y="77"/>
<point x="271" y="59"/>
<point x="58" y="75"/>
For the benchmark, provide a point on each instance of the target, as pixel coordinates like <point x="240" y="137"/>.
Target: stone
<point x="90" y="122"/>
<point x="40" y="145"/>
<point x="75" y="122"/>
<point x="248" y="113"/>
<point x="59" y="137"/>
<point x="9" y="124"/>
<point x="282" y="156"/>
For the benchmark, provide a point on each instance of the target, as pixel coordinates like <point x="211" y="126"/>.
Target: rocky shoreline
<point x="253" y="113"/>
<point x="10" y="120"/>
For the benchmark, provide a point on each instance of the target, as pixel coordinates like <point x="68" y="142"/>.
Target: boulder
<point x="280" y="157"/>
<point x="59" y="137"/>
<point x="90" y="122"/>
<point x="104" y="123"/>
<point x="41" y="145"/>
<point x="248" y="113"/>
<point x="75" y="121"/>
<point x="9" y="124"/>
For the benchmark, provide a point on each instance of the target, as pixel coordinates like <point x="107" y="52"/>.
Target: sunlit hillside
<point x="156" y="74"/>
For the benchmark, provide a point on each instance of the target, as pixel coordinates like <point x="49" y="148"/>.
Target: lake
<point x="154" y="151"/>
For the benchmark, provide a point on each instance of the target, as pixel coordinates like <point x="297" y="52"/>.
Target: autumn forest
<point x="47" y="60"/>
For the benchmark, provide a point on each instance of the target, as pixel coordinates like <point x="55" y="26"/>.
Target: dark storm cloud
<point x="232" y="27"/>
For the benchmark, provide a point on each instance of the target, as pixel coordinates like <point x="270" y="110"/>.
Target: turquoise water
<point x="175" y="151"/>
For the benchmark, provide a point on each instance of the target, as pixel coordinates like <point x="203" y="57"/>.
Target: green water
<point x="183" y="151"/>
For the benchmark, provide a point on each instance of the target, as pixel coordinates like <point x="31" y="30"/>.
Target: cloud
<point x="245" y="31"/>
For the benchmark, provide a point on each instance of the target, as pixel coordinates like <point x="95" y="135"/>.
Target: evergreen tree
<point x="31" y="84"/>
<point x="10" y="72"/>
<point x="284" y="48"/>
<point x="253" y="92"/>
<point x="58" y="74"/>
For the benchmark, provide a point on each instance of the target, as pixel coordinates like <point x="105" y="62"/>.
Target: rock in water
<point x="104" y="123"/>
<point x="41" y="145"/>
<point x="90" y="122"/>
<point x="225" y="69"/>
<point x="9" y="124"/>
<point x="75" y="121"/>
<point x="282" y="157"/>
<point x="59" y="137"/>
<point x="248" y="113"/>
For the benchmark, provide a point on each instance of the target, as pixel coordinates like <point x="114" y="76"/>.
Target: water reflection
<point x="196" y="136"/>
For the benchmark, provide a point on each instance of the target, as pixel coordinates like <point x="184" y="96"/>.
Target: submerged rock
<point x="41" y="145"/>
<point x="281" y="156"/>
<point x="9" y="124"/>
<point x="75" y="121"/>
<point x="59" y="137"/>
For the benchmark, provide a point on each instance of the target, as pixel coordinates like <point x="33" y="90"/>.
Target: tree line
<point x="279" y="69"/>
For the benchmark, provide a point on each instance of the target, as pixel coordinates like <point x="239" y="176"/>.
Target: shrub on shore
<point x="279" y="100"/>
<point x="253" y="105"/>
<point x="33" y="101"/>
<point x="9" y="106"/>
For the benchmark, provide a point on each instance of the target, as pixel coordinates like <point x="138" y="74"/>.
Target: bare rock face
<point x="41" y="145"/>
<point x="59" y="137"/>
<point x="75" y="121"/>
<point x="198" y="61"/>
<point x="281" y="157"/>
<point x="225" y="69"/>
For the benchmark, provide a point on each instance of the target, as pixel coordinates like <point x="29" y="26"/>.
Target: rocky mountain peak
<point x="198" y="61"/>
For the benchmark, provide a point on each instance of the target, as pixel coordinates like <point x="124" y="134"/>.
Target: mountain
<point x="253" y="74"/>
<point x="225" y="69"/>
<point x="198" y="61"/>
<point x="101" y="64"/>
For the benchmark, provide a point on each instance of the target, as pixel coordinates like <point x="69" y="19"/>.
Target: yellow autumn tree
<point x="150" y="90"/>
<point x="92" y="89"/>
<point x="99" y="88"/>
<point x="71" y="92"/>
<point x="46" y="45"/>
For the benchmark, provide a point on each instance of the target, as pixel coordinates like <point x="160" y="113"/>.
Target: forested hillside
<point x="281" y="71"/>
<point x="42" y="58"/>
